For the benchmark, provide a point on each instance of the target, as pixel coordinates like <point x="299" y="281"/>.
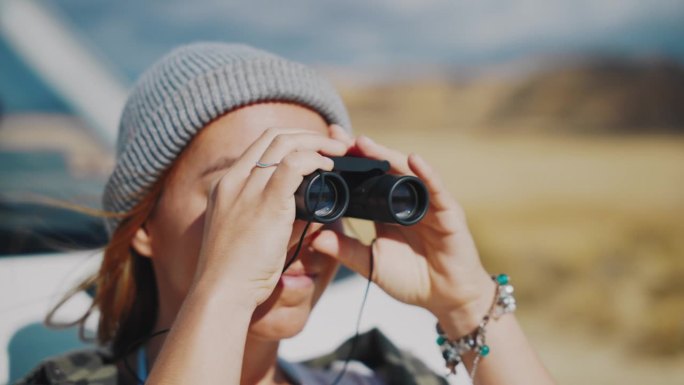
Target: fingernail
<point x="342" y="132"/>
<point x="346" y="130"/>
<point x="368" y="139"/>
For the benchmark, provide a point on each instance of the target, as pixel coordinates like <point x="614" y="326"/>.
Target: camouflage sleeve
<point x="86" y="367"/>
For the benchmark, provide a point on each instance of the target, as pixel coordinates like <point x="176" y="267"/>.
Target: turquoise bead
<point x="441" y="340"/>
<point x="484" y="350"/>
<point x="502" y="279"/>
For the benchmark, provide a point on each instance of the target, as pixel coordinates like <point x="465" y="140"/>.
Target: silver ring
<point x="265" y="165"/>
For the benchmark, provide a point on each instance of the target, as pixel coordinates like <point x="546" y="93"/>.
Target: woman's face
<point x="175" y="228"/>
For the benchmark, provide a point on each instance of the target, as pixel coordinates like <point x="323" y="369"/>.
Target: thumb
<point x="349" y="251"/>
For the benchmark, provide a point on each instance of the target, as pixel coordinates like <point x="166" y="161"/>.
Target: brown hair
<point x="125" y="286"/>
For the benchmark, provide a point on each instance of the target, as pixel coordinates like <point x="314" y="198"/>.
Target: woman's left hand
<point x="434" y="263"/>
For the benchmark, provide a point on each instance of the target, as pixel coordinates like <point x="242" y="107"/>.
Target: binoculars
<point x="361" y="188"/>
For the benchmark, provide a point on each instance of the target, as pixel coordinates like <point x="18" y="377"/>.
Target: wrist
<point x="231" y="296"/>
<point x="473" y="343"/>
<point x="459" y="321"/>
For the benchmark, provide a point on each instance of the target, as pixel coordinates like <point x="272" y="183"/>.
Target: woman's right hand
<point x="250" y="212"/>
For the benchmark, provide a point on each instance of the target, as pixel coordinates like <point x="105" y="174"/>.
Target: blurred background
<point x="557" y="125"/>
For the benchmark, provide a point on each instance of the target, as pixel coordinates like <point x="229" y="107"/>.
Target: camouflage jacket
<point x="374" y="350"/>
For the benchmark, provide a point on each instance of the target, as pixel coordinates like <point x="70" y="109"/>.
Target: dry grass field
<point x="589" y="226"/>
<point x="591" y="230"/>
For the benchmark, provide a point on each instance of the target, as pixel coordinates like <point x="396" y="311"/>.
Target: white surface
<point x="30" y="285"/>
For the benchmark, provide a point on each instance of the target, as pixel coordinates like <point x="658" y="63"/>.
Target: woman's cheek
<point x="326" y="276"/>
<point x="179" y="225"/>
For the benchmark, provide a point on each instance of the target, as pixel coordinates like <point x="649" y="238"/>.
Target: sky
<point x="382" y="35"/>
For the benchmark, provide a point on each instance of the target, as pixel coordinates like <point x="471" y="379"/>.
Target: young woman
<point x="214" y="141"/>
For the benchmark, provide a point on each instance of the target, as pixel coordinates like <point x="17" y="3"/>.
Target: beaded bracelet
<point x="453" y="350"/>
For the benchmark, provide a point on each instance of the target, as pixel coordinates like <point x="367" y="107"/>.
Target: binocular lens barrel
<point x="389" y="198"/>
<point x="322" y="197"/>
<point x="404" y="200"/>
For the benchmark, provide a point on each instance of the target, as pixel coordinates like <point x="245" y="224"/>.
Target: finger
<point x="225" y="189"/>
<point x="291" y="171"/>
<point x="368" y="148"/>
<point x="445" y="213"/>
<point x="254" y="152"/>
<point x="349" y="251"/>
<point x="339" y="133"/>
<point x="235" y="178"/>
<point x="285" y="144"/>
<point x="439" y="196"/>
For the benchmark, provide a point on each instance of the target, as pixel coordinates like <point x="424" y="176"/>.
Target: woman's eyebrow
<point x="220" y="164"/>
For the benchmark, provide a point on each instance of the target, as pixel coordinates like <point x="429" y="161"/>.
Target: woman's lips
<point x="297" y="280"/>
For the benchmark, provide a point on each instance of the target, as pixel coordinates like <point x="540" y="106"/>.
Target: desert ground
<point x="590" y="230"/>
<point x="588" y="222"/>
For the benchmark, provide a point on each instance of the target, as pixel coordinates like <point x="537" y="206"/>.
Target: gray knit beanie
<point x="186" y="90"/>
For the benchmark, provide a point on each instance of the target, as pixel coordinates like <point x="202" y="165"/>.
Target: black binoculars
<point x="361" y="188"/>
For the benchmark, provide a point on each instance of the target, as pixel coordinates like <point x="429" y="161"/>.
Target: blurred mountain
<point x="601" y="95"/>
<point x="592" y="95"/>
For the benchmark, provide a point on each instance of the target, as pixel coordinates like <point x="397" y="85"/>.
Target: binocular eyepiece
<point x="361" y="188"/>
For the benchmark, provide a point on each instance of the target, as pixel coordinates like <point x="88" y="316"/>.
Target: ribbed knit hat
<point x="189" y="88"/>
